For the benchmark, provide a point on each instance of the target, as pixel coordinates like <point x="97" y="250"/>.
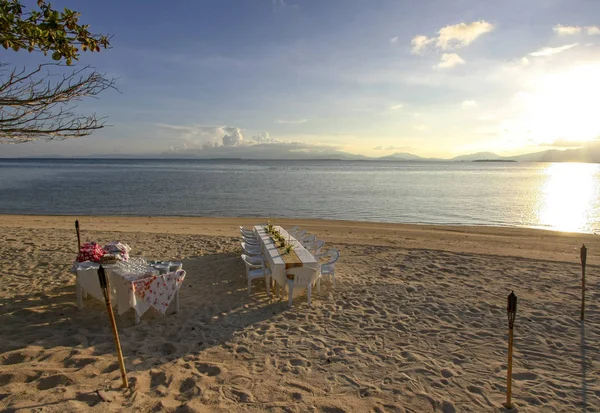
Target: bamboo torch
<point x="583" y="255"/>
<point x="78" y="236"/>
<point x="105" y="285"/>
<point x="511" y="311"/>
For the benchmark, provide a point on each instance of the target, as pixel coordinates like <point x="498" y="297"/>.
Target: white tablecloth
<point x="274" y="258"/>
<point x="123" y="295"/>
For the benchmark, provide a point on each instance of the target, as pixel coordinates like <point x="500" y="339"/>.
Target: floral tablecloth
<point x="132" y="286"/>
<point x="158" y="290"/>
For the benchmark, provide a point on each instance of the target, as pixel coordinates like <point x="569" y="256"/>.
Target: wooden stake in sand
<point x="78" y="236"/>
<point x="583" y="254"/>
<point x="105" y="285"/>
<point x="511" y="310"/>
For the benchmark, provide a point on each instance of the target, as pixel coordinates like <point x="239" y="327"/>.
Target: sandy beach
<point x="417" y="322"/>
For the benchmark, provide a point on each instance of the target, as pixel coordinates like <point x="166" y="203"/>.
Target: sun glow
<point x="570" y="197"/>
<point x="561" y="107"/>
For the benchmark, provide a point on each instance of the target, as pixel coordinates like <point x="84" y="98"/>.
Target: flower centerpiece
<point x="269" y="228"/>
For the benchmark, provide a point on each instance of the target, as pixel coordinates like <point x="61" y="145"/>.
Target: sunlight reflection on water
<point x="570" y="197"/>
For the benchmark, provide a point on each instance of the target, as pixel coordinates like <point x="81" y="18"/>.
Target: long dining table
<point x="278" y="263"/>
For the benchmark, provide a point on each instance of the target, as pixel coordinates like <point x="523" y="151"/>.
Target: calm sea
<point x="553" y="196"/>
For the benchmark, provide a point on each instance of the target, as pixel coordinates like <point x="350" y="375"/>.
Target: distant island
<point x="494" y="160"/>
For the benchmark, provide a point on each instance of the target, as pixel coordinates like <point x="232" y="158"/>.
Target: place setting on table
<point x="134" y="281"/>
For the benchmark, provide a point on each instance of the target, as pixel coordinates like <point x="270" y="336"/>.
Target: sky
<point x="435" y="78"/>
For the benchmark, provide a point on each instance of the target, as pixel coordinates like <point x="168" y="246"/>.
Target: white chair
<point x="308" y="239"/>
<point x="250" y="249"/>
<point x="255" y="268"/>
<point x="298" y="235"/>
<point x="303" y="277"/>
<point x="293" y="229"/>
<point x="315" y="247"/>
<point x="246" y="231"/>
<point x="250" y="240"/>
<point x="327" y="267"/>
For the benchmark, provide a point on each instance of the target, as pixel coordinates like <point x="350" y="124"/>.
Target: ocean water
<point x="561" y="196"/>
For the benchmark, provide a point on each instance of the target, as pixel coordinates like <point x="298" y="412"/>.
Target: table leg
<point x="290" y="293"/>
<point x="177" y="301"/>
<point x="137" y="317"/>
<point x="79" y="293"/>
<point x="268" y="283"/>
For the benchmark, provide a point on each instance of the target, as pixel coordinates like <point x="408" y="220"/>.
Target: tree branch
<point x="36" y="105"/>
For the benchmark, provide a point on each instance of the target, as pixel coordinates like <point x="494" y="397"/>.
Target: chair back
<point x="316" y="246"/>
<point x="298" y="235"/>
<point x="250" y="239"/>
<point x="252" y="261"/>
<point x="246" y="232"/>
<point x="303" y="276"/>
<point x="177" y="275"/>
<point x="293" y="229"/>
<point x="246" y="259"/>
<point x="333" y="255"/>
<point x="309" y="239"/>
<point x="250" y="249"/>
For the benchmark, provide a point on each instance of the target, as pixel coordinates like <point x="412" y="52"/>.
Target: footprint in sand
<point x="54" y="381"/>
<point x="238" y="395"/>
<point x="208" y="369"/>
<point x="158" y="378"/>
<point x="525" y="376"/>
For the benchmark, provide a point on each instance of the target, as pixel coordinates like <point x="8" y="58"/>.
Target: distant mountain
<point x="403" y="156"/>
<point x="300" y="151"/>
<point x="589" y="153"/>
<point x="479" y="156"/>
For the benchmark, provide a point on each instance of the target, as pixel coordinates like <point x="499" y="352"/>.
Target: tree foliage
<point x="46" y="30"/>
<point x="39" y="103"/>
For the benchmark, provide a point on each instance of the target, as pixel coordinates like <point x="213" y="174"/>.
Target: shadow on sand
<point x="214" y="307"/>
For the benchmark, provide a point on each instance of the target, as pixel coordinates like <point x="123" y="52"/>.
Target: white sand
<point x="416" y="324"/>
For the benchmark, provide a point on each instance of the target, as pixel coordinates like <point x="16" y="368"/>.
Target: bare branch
<point x="38" y="105"/>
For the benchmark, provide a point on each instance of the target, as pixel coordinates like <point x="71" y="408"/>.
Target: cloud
<point x="420" y="128"/>
<point x="203" y="136"/>
<point x="549" y="51"/>
<point x="192" y="136"/>
<point x="394" y="39"/>
<point x="452" y="37"/>
<point x="292" y="122"/>
<point x="396" y="107"/>
<point x="233" y="136"/>
<point x="462" y="34"/>
<point x="273" y="150"/>
<point x="469" y="104"/>
<point x="282" y="4"/>
<point x="449" y="60"/>
<point x="263" y="138"/>
<point x="419" y="43"/>
<point x="566" y="143"/>
<point x="571" y="30"/>
<point x="566" y="30"/>
<point x="593" y="30"/>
